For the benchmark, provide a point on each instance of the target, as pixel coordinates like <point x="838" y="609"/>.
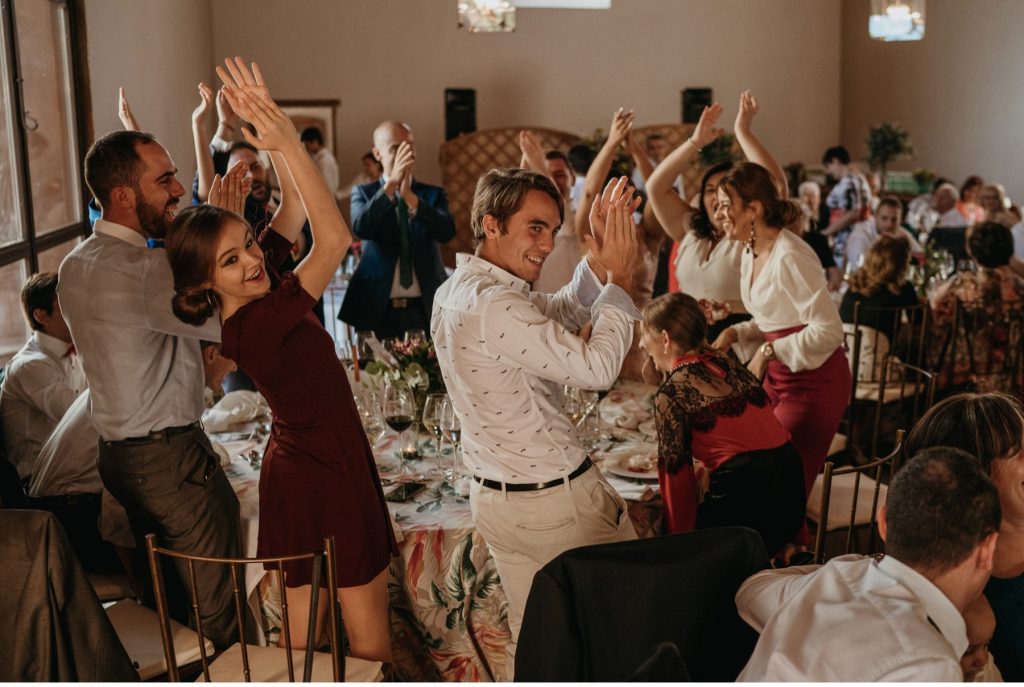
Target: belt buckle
<point x="399" y="303"/>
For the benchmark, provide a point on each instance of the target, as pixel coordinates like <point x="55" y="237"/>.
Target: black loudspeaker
<point x="694" y="102"/>
<point x="459" y="112"/>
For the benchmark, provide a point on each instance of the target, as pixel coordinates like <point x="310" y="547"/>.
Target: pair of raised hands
<point x="707" y="129"/>
<point x="613" y="237"/>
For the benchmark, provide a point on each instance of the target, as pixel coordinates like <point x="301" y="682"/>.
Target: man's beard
<point x="152" y="220"/>
<point x="260" y="194"/>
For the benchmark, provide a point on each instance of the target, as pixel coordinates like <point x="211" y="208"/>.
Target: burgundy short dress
<point x="318" y="477"/>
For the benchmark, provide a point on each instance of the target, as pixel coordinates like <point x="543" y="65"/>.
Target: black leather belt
<point x="491" y="484"/>
<point x="401" y="303"/>
<point x="156" y="435"/>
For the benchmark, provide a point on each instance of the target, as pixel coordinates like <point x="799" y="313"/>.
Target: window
<point x="42" y="203"/>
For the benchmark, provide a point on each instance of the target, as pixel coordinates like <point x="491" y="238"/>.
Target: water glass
<point x="432" y="410"/>
<point x="451" y="427"/>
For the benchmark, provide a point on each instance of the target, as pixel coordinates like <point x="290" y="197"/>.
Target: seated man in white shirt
<point x="506" y="353"/>
<point x="43" y="378"/>
<point x="898" y="619"/>
<point x="887" y="219"/>
<point x="66" y="481"/>
<point x="945" y="198"/>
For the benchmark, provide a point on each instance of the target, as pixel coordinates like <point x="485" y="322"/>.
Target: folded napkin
<point x="236" y="407"/>
<point x="627" y="415"/>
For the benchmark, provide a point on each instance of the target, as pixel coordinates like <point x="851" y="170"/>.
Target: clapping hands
<point x="533" y="154"/>
<point x="248" y="95"/>
<point x="231" y="190"/>
<point x="613" y="241"/>
<point x="205" y="104"/>
<point x="622" y="124"/>
<point x="124" y="112"/>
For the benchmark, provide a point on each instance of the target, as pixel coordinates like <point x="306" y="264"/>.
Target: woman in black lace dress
<point x="713" y="411"/>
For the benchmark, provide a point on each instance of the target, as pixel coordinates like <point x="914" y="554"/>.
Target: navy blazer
<point x="375" y="223"/>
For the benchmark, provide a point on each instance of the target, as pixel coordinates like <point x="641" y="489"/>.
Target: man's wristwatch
<point x="768" y="351"/>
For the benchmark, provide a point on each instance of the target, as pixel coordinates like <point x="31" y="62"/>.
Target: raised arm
<point x="640" y="159"/>
<point x="201" y="140"/>
<point x="622" y="124"/>
<point x="752" y="148"/>
<point x="248" y="96"/>
<point x="672" y="211"/>
<point x="533" y="154"/>
<point x="290" y="214"/>
<point x="124" y="112"/>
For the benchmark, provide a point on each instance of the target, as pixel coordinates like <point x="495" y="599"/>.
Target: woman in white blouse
<point x="707" y="267"/>
<point x="801" y="354"/>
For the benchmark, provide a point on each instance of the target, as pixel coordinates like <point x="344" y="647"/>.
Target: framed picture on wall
<point x="318" y="113"/>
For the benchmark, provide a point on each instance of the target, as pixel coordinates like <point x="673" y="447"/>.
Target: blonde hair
<point x="885" y="265"/>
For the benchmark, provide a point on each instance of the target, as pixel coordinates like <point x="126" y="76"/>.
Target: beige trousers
<point x="527" y="529"/>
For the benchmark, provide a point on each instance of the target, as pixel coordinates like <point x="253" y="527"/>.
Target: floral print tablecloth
<point x="448" y="610"/>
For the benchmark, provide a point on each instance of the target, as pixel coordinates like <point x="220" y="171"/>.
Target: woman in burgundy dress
<point x="318" y="476"/>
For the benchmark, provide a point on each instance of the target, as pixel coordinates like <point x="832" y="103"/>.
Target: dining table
<point x="448" y="611"/>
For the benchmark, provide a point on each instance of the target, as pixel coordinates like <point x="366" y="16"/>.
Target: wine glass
<point x="432" y="408"/>
<point x="573" y="404"/>
<point x="368" y="404"/>
<point x="390" y="344"/>
<point x="415" y="337"/>
<point x="452" y="429"/>
<point x="399" y="411"/>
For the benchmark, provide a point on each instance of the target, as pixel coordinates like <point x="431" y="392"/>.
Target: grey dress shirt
<point x="144" y="365"/>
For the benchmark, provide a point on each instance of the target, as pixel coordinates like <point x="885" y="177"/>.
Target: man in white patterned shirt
<point x="898" y="619"/>
<point x="506" y="352"/>
<point x="43" y="378"/>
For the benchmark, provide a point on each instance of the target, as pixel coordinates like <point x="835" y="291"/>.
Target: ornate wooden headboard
<point x="466" y="158"/>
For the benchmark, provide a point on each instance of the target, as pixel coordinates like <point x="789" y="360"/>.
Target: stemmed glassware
<point x="415" y="337"/>
<point x="452" y="430"/>
<point x="399" y="413"/>
<point x="432" y="409"/>
<point x="362" y="342"/>
<point x="370" y="414"/>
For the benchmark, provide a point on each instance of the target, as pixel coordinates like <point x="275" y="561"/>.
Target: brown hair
<point x="990" y="244"/>
<point x="39" y="292"/>
<point x="892" y="202"/>
<point x="680" y="316"/>
<point x="113" y="161"/>
<point x="191" y="249"/>
<point x="989" y="426"/>
<point x="885" y="266"/>
<point x="751" y="181"/>
<point x="501" y="192"/>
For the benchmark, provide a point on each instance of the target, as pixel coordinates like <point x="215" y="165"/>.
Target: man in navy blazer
<point x="400" y="222"/>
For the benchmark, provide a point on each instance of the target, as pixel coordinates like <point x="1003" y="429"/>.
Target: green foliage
<point x="719" y="150"/>
<point x="887" y="142"/>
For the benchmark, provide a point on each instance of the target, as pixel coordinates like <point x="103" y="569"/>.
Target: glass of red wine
<point x="399" y="413"/>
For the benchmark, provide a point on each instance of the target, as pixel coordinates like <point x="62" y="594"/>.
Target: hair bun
<point x="192" y="306"/>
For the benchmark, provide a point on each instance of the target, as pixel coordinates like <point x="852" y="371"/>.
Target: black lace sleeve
<point x="692" y="399"/>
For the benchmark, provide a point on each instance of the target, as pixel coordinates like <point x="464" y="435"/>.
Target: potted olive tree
<point x="887" y="142"/>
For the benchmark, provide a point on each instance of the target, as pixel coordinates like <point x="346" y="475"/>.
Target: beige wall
<point x="958" y="91"/>
<point x="158" y="51"/>
<point x="562" y="69"/>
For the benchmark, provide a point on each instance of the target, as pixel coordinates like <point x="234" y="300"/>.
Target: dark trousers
<point x="398" y="319"/>
<point x="79" y="515"/>
<point x="174" y="487"/>
<point x="762" y="490"/>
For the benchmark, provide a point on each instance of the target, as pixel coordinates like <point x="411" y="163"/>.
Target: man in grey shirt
<point x="145" y="369"/>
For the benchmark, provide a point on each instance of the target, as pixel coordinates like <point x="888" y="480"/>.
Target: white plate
<point x="617" y="466"/>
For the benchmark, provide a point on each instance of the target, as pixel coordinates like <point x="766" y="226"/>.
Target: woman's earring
<point x="750" y="240"/>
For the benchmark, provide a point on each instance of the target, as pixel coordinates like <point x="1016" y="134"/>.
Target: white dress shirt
<point x="791" y="291"/>
<point x="67" y="461"/>
<point x="397" y="290"/>
<point x="951" y="218"/>
<point x="854" y="619"/>
<point x="506" y="352"/>
<point x="41" y="383"/>
<point x="1017" y="231"/>
<point x="144" y="366"/>
<point x="711" y="272"/>
<point x="328" y="167"/>
<point x="866" y="233"/>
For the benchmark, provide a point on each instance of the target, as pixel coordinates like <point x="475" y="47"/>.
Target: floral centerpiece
<point x="414" y="363"/>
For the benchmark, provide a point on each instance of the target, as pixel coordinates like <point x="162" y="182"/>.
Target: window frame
<point x="30" y="246"/>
